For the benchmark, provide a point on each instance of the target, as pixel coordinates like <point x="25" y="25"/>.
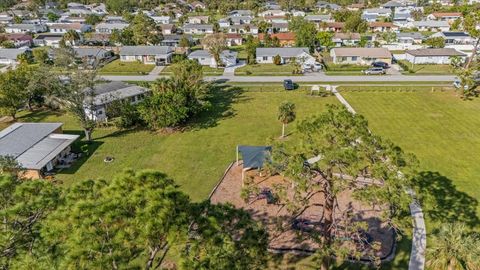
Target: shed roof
<point x="435" y="52"/>
<point x="363" y="52"/>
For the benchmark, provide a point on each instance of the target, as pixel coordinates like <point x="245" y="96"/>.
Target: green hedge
<point x="345" y="67"/>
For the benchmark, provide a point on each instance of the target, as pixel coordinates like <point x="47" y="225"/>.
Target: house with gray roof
<point x="25" y="28"/>
<point x="9" y="56"/>
<point x="154" y="55"/>
<point x="37" y="147"/>
<point x="430" y="25"/>
<point x="108" y="28"/>
<point x="299" y="54"/>
<point x="360" y="56"/>
<point x="106" y="93"/>
<point x="198" y="29"/>
<point x="205" y="58"/>
<point x="410" y="38"/>
<point x="440" y="56"/>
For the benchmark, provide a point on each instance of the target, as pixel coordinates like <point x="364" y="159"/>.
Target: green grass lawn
<point x="443" y="132"/>
<point x="125" y="68"/>
<point x="207" y="71"/>
<point x="427" y="69"/>
<point x="195" y="158"/>
<point x="265" y="70"/>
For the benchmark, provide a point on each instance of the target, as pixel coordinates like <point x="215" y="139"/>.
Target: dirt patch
<point x="290" y="234"/>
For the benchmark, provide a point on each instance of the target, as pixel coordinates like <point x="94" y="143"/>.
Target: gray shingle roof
<point x="145" y="50"/>
<point x="435" y="52"/>
<point x="11" y="53"/>
<point x="283" y="52"/>
<point x="33" y="145"/>
<point x="108" y="92"/>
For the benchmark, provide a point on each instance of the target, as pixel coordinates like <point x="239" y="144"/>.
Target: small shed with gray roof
<point x="442" y="56"/>
<point x="37" y="147"/>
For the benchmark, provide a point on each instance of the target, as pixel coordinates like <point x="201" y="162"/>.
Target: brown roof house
<point x="360" y="56"/>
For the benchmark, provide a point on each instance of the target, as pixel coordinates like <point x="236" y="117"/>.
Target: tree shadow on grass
<point x="38" y="115"/>
<point x="443" y="202"/>
<point x="222" y="99"/>
<point x="92" y="146"/>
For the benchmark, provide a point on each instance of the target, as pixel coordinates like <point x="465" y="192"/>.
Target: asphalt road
<point x="307" y="78"/>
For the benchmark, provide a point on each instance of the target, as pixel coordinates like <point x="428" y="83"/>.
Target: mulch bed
<point x="284" y="237"/>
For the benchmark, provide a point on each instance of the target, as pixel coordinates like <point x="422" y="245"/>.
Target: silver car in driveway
<point x="374" y="71"/>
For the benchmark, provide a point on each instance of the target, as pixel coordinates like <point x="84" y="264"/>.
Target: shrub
<point x="277" y="60"/>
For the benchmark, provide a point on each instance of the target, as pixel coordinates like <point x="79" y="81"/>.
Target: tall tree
<point x="251" y="45"/>
<point x="305" y="34"/>
<point x="23" y="207"/>
<point x="454" y="248"/>
<point x="174" y="100"/>
<point x="135" y="217"/>
<point x="144" y="30"/>
<point x="71" y="37"/>
<point x="13" y="94"/>
<point x="78" y="97"/>
<point x="215" y="44"/>
<point x="286" y="114"/>
<point x="342" y="149"/>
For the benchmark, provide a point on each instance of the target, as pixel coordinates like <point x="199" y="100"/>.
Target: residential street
<point x="309" y="78"/>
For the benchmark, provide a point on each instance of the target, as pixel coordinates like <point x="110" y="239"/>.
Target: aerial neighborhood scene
<point x="241" y="134"/>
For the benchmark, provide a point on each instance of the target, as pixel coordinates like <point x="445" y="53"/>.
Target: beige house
<point x="360" y="56"/>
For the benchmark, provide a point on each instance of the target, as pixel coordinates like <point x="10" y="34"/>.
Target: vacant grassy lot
<point x="425" y="69"/>
<point x="125" y="68"/>
<point x="207" y="71"/>
<point x="195" y="158"/>
<point x="443" y="132"/>
<point x="265" y="70"/>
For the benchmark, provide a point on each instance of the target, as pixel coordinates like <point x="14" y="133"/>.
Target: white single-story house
<point x="346" y="39"/>
<point x="65" y="27"/>
<point x="198" y="28"/>
<point x="9" y="56"/>
<point x="108" y="28"/>
<point x="25" y="28"/>
<point x="37" y="147"/>
<point x="205" y="58"/>
<point x="440" y="56"/>
<point x="430" y="25"/>
<point x="360" y="56"/>
<point x="158" y="55"/>
<point x="452" y="38"/>
<point x="106" y="93"/>
<point x="302" y="55"/>
<point x="48" y="39"/>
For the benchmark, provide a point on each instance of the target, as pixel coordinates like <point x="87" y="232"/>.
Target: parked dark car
<point x="380" y="64"/>
<point x="288" y="85"/>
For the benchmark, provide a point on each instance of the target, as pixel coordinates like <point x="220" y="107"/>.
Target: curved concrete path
<point x="419" y="238"/>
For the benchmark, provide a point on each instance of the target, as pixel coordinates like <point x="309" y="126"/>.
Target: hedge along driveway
<point x="266" y="70"/>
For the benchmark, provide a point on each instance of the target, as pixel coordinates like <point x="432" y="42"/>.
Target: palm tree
<point x="455" y="248"/>
<point x="71" y="36"/>
<point x="286" y="114"/>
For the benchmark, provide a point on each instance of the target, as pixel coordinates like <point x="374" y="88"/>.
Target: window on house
<point x="99" y="112"/>
<point x="354" y="58"/>
<point x="265" y="58"/>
